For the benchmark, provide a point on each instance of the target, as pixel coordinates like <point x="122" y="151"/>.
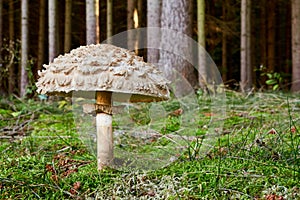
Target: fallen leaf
<point x="274" y="197"/>
<point x="75" y="188"/>
<point x="209" y="114"/>
<point x="272" y="131"/>
<point x="177" y="112"/>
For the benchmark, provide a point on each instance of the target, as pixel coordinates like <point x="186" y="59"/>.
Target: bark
<point x="288" y="39"/>
<point x="271" y="35"/>
<point x="92" y="25"/>
<point x="52" y="29"/>
<point x="41" y="36"/>
<point x="109" y="21"/>
<point x="131" y="36"/>
<point x="296" y="45"/>
<point x="153" y="20"/>
<point x="24" y="48"/>
<point x="263" y="39"/>
<point x="140" y="23"/>
<point x="1" y="45"/>
<point x="176" y="15"/>
<point x="11" y="67"/>
<point x="68" y="25"/>
<point x="1" y="36"/>
<point x="97" y="14"/>
<point x="202" y="71"/>
<point x="246" y="68"/>
<point x="224" y="45"/>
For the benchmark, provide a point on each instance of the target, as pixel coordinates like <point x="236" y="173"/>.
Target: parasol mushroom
<point x="112" y="74"/>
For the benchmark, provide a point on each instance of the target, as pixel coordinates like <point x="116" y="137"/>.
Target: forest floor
<point x="257" y="155"/>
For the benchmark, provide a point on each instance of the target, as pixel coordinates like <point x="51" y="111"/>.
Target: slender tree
<point x="24" y="48"/>
<point x="52" y="29"/>
<point x="97" y="14"/>
<point x="153" y="20"/>
<point x="1" y="36"/>
<point x="224" y="42"/>
<point x="177" y="16"/>
<point x="109" y="20"/>
<point x="271" y="25"/>
<point x="246" y="68"/>
<point x="41" y="36"/>
<point x="202" y="70"/>
<point x="131" y="37"/>
<point x="92" y="25"/>
<point x="296" y="45"/>
<point x="1" y="44"/>
<point x="68" y="25"/>
<point x="11" y="66"/>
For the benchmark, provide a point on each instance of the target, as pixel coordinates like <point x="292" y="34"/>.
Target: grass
<point x="256" y="156"/>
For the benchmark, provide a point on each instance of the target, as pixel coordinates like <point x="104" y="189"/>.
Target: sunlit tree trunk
<point x="52" y="29"/>
<point x="153" y="20"/>
<point x="11" y="67"/>
<point x="68" y="25"/>
<point x="92" y="25"/>
<point x="131" y="36"/>
<point x="202" y="70"/>
<point x="109" y="20"/>
<point x="24" y="48"/>
<point x="177" y="16"/>
<point x="41" y="36"/>
<point x="246" y="68"/>
<point x="296" y="45"/>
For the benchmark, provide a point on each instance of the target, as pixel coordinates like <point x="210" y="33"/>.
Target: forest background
<point x="255" y="44"/>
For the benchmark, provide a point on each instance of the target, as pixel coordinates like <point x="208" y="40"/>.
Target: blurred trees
<point x="246" y="65"/>
<point x="24" y="48"/>
<point x="296" y="45"/>
<point x="177" y="15"/>
<point x="274" y="35"/>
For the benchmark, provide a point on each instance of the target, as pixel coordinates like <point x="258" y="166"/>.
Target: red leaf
<point x="293" y="129"/>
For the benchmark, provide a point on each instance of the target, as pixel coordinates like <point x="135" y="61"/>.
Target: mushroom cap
<point x="103" y="67"/>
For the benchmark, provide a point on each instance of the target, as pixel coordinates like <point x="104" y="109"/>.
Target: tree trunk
<point x="141" y="23"/>
<point x="68" y="25"/>
<point x="263" y="40"/>
<point x="52" y="29"/>
<point x="1" y="45"/>
<point x="296" y="45"/>
<point x="224" y="42"/>
<point x="41" y="36"/>
<point x="24" y="48"/>
<point x="153" y="20"/>
<point x="271" y="35"/>
<point x="246" y="68"/>
<point x="92" y="27"/>
<point x="109" y="20"/>
<point x="131" y="37"/>
<point x="11" y="67"/>
<point x="176" y="16"/>
<point x="97" y="14"/>
<point x="202" y="70"/>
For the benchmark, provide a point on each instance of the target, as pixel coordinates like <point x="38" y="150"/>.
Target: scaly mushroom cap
<point x="103" y="67"/>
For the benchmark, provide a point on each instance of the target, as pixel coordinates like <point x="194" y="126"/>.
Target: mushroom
<point x="112" y="74"/>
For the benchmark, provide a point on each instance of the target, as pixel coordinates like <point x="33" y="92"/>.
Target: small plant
<point x="274" y="79"/>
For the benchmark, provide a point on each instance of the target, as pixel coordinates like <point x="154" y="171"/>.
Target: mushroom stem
<point x="104" y="132"/>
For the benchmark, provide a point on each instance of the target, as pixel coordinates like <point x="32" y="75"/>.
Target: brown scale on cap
<point x="103" y="67"/>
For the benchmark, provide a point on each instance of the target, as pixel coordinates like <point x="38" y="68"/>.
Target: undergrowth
<point x="256" y="156"/>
